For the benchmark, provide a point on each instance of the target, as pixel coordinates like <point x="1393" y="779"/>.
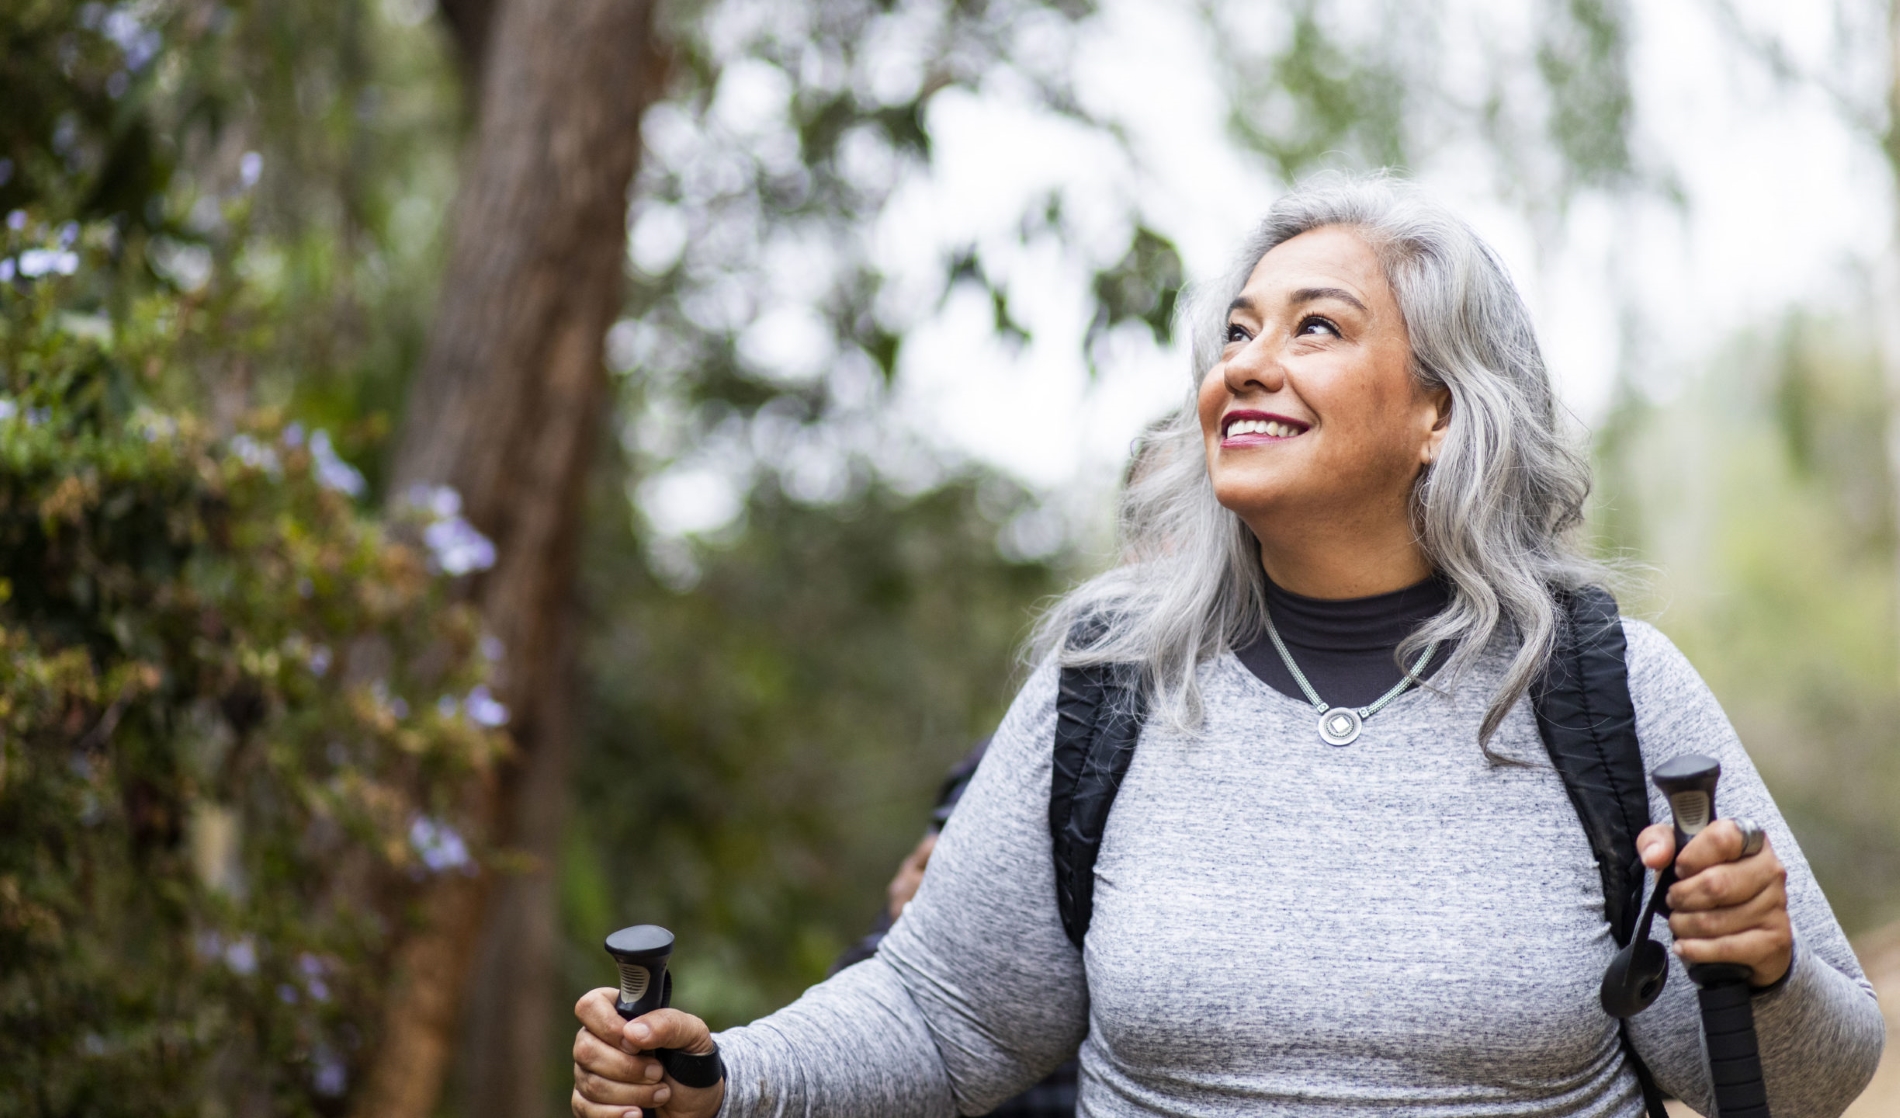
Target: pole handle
<point x="1728" y="1027"/>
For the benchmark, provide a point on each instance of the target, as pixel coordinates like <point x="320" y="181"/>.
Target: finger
<point x="1720" y="841"/>
<point x="1729" y="883"/>
<point x="586" y="1108"/>
<point x="669" y="1028"/>
<point x="598" y="1015"/>
<point x="1656" y="844"/>
<point x="1767" y="909"/>
<point x="613" y="1092"/>
<point x="582" y="1108"/>
<point x="1765" y="953"/>
<point x="608" y="1060"/>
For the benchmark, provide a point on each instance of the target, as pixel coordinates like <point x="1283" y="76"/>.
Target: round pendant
<point x="1339" y="726"/>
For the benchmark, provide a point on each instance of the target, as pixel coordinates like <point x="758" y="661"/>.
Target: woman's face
<point x="1312" y="412"/>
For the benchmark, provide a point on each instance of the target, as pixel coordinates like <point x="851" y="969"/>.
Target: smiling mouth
<point x="1255" y="427"/>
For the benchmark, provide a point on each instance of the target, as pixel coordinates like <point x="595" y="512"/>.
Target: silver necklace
<point x="1340" y="725"/>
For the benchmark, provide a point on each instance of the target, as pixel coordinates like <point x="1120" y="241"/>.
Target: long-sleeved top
<point x="1284" y="927"/>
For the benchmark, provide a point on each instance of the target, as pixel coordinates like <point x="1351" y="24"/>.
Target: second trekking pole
<point x="1728" y="1016"/>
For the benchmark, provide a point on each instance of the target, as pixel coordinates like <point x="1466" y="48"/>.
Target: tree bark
<point x="505" y="409"/>
<point x="468" y="23"/>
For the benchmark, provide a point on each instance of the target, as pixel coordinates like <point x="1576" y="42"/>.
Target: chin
<point x="1249" y="494"/>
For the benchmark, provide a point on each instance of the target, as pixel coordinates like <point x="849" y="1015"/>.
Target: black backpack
<point x="1584" y="714"/>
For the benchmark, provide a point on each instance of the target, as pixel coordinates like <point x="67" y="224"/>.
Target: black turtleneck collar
<point x="1344" y="646"/>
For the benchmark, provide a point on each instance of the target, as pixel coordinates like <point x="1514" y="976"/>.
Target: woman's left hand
<point x="1725" y="908"/>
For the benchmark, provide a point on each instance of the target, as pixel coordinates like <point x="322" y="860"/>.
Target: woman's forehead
<point x="1334" y="256"/>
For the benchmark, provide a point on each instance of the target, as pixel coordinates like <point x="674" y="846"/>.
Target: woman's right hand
<point x="613" y="1074"/>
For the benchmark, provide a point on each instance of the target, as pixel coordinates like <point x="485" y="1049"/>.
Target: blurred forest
<point x="404" y="309"/>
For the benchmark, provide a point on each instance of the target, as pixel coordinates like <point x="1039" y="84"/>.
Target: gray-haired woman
<point x="1371" y="478"/>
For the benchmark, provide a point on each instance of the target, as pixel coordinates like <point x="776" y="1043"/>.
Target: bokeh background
<point x="481" y="473"/>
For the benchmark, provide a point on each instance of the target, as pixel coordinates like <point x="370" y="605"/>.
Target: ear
<point x="1440" y="402"/>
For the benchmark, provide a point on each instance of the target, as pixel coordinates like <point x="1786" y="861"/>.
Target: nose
<point x="1254" y="368"/>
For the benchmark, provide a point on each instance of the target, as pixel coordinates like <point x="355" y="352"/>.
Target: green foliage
<point x="1315" y="86"/>
<point x="1144" y="286"/>
<point x="76" y="136"/>
<point x="763" y="747"/>
<point x="303" y="151"/>
<point x="1321" y="96"/>
<point x="1762" y="495"/>
<point x="1583" y="56"/>
<point x="229" y="704"/>
<point x="740" y="213"/>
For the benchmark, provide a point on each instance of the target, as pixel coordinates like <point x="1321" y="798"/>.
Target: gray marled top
<point x="1282" y="927"/>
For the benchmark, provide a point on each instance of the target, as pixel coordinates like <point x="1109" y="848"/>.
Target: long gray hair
<point x="1494" y="512"/>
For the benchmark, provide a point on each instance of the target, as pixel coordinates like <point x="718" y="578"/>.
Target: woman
<point x="1371" y="479"/>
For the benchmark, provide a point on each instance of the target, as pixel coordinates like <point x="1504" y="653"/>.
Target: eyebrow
<point x="1313" y="294"/>
<point x="1304" y="295"/>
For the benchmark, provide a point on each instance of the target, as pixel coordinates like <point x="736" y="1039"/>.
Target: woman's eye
<point x="1236" y="333"/>
<point x="1315" y="324"/>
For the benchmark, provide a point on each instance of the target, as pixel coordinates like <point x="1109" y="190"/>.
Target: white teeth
<point x="1270" y="428"/>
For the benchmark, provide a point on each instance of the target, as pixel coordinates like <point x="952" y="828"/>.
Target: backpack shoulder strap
<point x="1099" y="710"/>
<point x="1588" y="723"/>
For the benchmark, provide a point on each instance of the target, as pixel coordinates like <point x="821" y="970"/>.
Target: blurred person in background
<point x="1369" y="498"/>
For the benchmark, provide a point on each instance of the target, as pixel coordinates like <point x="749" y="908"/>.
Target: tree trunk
<point x="505" y="409"/>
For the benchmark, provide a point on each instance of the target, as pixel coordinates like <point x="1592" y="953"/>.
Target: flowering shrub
<point x="232" y="706"/>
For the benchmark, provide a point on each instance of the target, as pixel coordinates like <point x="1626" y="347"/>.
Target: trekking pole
<point x="642" y="952"/>
<point x="1728" y="1017"/>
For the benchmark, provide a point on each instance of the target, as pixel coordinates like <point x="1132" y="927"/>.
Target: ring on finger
<point x="1752" y="836"/>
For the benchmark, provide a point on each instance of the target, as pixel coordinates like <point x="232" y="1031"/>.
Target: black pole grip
<point x="1728" y="1025"/>
<point x="642" y="952"/>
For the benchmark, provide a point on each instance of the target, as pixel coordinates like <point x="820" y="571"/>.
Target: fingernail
<point x="640" y="1032"/>
<point x="663" y="1094"/>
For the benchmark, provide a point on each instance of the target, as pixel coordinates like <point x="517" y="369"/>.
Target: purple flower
<point x="255" y="454"/>
<point x="328" y="1076"/>
<point x="457" y="548"/>
<point x="332" y="471"/>
<point x="241" y="956"/>
<point x="36" y="262"/>
<point x="439" y="846"/>
<point x="484" y="708"/>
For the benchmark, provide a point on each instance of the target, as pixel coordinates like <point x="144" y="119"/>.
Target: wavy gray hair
<point x="1494" y="512"/>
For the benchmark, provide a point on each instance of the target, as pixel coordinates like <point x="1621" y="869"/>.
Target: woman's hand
<point x="613" y="1075"/>
<point x="1725" y="908"/>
